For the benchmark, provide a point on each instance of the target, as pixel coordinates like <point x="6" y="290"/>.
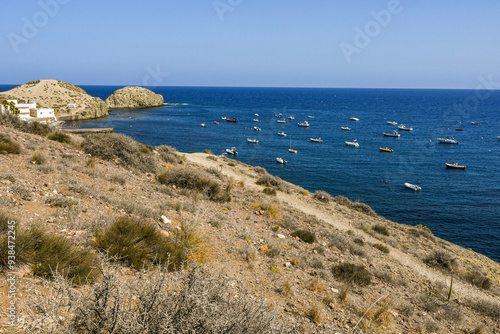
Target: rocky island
<point x="134" y="97"/>
<point x="68" y="101"/>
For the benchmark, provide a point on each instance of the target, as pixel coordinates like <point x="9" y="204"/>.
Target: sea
<point x="461" y="206"/>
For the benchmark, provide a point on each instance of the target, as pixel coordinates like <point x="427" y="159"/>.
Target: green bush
<point x="8" y="145"/>
<point x="47" y="253"/>
<point x="349" y="272"/>
<point x="135" y="243"/>
<point x="192" y="179"/>
<point x="305" y="236"/>
<point x="112" y="146"/>
<point x="60" y="137"/>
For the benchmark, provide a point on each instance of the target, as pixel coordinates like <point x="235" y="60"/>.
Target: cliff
<point x="134" y="97"/>
<point x="68" y="101"/>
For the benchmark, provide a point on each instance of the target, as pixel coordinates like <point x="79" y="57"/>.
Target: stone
<point x="165" y="220"/>
<point x="134" y="97"/>
<point x="281" y="236"/>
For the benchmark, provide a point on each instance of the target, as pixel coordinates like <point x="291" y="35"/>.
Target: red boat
<point x="455" y="166"/>
<point x="458" y="129"/>
<point x="234" y="120"/>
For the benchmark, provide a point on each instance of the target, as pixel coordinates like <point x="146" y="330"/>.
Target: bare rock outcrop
<point x="134" y="97"/>
<point x="68" y="101"/>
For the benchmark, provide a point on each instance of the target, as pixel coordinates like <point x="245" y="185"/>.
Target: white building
<point x="42" y="113"/>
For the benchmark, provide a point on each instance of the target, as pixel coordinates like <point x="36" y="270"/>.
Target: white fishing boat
<point x="256" y="120"/>
<point x="281" y="121"/>
<point x="448" y="140"/>
<point x="291" y="118"/>
<point x="403" y="127"/>
<point x="257" y="115"/>
<point x="310" y="116"/>
<point x="354" y="119"/>
<point x="304" y="124"/>
<point x="475" y="123"/>
<point x="412" y="186"/>
<point x="256" y="128"/>
<point x="253" y="141"/>
<point x="282" y="134"/>
<point x="281" y="161"/>
<point x="316" y="140"/>
<point x="291" y="150"/>
<point x="352" y="143"/>
<point x="345" y="128"/>
<point x="231" y="150"/>
<point x="392" y="123"/>
<point x="203" y="125"/>
<point x="393" y="134"/>
<point x="224" y="118"/>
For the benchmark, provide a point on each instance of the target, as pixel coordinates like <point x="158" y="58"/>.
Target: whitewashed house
<point x="42" y="113"/>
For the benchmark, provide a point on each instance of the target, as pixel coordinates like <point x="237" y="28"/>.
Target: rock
<point x="264" y="249"/>
<point x="281" y="236"/>
<point x="134" y="97"/>
<point x="165" y="220"/>
<point x="59" y="95"/>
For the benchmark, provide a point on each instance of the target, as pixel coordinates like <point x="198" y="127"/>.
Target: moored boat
<point x="281" y="121"/>
<point x="215" y="122"/>
<point x="232" y="150"/>
<point x="354" y="119"/>
<point x="392" y="123"/>
<point x="234" y="120"/>
<point x="352" y="143"/>
<point x="256" y="128"/>
<point x="393" y="134"/>
<point x="291" y="150"/>
<point x="412" y="186"/>
<point x="386" y="149"/>
<point x="281" y="161"/>
<point x="475" y="123"/>
<point x="282" y="134"/>
<point x="454" y="166"/>
<point x="345" y="128"/>
<point x="448" y="140"/>
<point x="291" y="118"/>
<point x="253" y="141"/>
<point x="316" y="140"/>
<point x="256" y="120"/>
<point x="203" y="125"/>
<point x="304" y="124"/>
<point x="403" y="127"/>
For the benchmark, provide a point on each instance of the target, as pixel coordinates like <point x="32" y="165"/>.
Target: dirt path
<point x="338" y="220"/>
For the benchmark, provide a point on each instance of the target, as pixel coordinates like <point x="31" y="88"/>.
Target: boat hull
<point x="455" y="166"/>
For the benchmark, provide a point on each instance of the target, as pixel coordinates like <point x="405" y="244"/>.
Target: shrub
<point x="248" y="252"/>
<point x="12" y="121"/>
<point x="478" y="279"/>
<point x="23" y="191"/>
<point x="381" y="229"/>
<point x="381" y="248"/>
<point x="357" y="206"/>
<point x="349" y="272"/>
<point x="116" y="178"/>
<point x="60" y="137"/>
<point x="8" y="145"/>
<point x="38" y="158"/>
<point x="208" y="151"/>
<point x="305" y="236"/>
<point x="192" y="179"/>
<point x="313" y="313"/>
<point x="60" y="201"/>
<point x="270" y="208"/>
<point x="112" y="146"/>
<point x="322" y="196"/>
<point x="47" y="254"/>
<point x="197" y="301"/>
<point x="269" y="191"/>
<point x="168" y="154"/>
<point x="270" y="181"/>
<point x="441" y="260"/>
<point x="136" y="243"/>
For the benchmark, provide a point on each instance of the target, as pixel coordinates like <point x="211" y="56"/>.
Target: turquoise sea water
<point x="461" y="206"/>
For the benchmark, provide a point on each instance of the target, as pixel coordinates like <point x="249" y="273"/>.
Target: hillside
<point x="59" y="95"/>
<point x="244" y="250"/>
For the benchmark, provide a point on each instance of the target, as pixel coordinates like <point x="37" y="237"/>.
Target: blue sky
<point x="279" y="43"/>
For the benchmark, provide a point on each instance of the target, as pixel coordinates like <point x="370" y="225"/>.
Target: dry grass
<point x="351" y="273"/>
<point x="322" y="196"/>
<point x="60" y="137"/>
<point x="271" y="209"/>
<point x="9" y="146"/>
<point x="38" y="159"/>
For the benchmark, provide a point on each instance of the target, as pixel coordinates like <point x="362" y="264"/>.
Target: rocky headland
<point x="68" y="101"/>
<point x="134" y="97"/>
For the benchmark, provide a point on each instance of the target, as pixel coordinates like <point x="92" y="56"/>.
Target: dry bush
<point x="60" y="201"/>
<point x="304" y="235"/>
<point x="197" y="301"/>
<point x="344" y="292"/>
<point x="13" y="121"/>
<point x="8" y="145"/>
<point x="357" y="206"/>
<point x="248" y="253"/>
<point x="376" y="316"/>
<point x="486" y="308"/>
<point x="38" y="159"/>
<point x="111" y="146"/>
<point x="441" y="260"/>
<point x="268" y="180"/>
<point x="314" y="313"/>
<point x="382" y="248"/>
<point x="477" y="278"/>
<point x="271" y="209"/>
<point x="169" y="154"/>
<point x="322" y="196"/>
<point x="137" y="208"/>
<point x="23" y="191"/>
<point x="349" y="272"/>
<point x="118" y="179"/>
<point x="269" y="191"/>
<point x="381" y="229"/>
<point x="344" y="243"/>
<point x="60" y="137"/>
<point x="193" y="179"/>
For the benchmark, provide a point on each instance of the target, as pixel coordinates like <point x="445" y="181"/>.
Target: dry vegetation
<point x="117" y="237"/>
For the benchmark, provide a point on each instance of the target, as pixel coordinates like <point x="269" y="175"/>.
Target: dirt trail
<point x="338" y="220"/>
